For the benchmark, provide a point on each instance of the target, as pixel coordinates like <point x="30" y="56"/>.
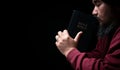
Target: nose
<point x="95" y="11"/>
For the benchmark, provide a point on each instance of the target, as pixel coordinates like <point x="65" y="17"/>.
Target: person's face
<point x="102" y="11"/>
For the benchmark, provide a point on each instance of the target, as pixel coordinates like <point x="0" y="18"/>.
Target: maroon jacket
<point x="102" y="58"/>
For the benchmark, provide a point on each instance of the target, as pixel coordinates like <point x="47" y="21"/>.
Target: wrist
<point x="67" y="52"/>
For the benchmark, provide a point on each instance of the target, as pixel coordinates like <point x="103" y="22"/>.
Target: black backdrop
<point x="41" y="33"/>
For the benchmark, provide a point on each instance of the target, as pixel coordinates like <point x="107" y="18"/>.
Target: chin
<point x="104" y="24"/>
<point x="101" y="24"/>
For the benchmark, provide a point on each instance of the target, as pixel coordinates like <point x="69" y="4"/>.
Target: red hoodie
<point x="102" y="58"/>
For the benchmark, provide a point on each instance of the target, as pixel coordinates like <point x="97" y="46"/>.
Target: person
<point x="106" y="55"/>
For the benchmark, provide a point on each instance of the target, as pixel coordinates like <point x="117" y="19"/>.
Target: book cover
<point x="89" y="25"/>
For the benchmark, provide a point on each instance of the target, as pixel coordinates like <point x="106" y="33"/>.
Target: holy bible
<point x="89" y="25"/>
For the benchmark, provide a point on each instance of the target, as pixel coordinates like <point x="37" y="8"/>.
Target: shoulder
<point x="117" y="33"/>
<point x="115" y="42"/>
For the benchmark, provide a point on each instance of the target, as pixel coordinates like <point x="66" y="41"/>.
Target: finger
<point x="77" y="37"/>
<point x="66" y="32"/>
<point x="56" y="43"/>
<point x="59" y="33"/>
<point x="56" y="37"/>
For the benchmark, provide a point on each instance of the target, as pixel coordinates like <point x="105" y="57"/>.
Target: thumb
<point x="77" y="37"/>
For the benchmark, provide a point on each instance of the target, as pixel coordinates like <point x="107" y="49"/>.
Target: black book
<point x="89" y="25"/>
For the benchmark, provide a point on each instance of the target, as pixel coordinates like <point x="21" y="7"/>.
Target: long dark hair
<point x="115" y="3"/>
<point x="115" y="8"/>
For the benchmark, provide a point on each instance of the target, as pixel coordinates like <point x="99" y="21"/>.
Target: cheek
<point x="107" y="16"/>
<point x="104" y="15"/>
<point x="102" y="11"/>
<point x="101" y="15"/>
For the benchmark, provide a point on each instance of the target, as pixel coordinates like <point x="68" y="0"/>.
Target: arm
<point x="80" y="61"/>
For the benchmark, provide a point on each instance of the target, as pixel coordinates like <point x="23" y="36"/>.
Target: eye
<point x="97" y="2"/>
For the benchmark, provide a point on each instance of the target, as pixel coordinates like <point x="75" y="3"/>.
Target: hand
<point x="65" y="43"/>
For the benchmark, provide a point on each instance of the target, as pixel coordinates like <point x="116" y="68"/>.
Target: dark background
<point x="46" y="22"/>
